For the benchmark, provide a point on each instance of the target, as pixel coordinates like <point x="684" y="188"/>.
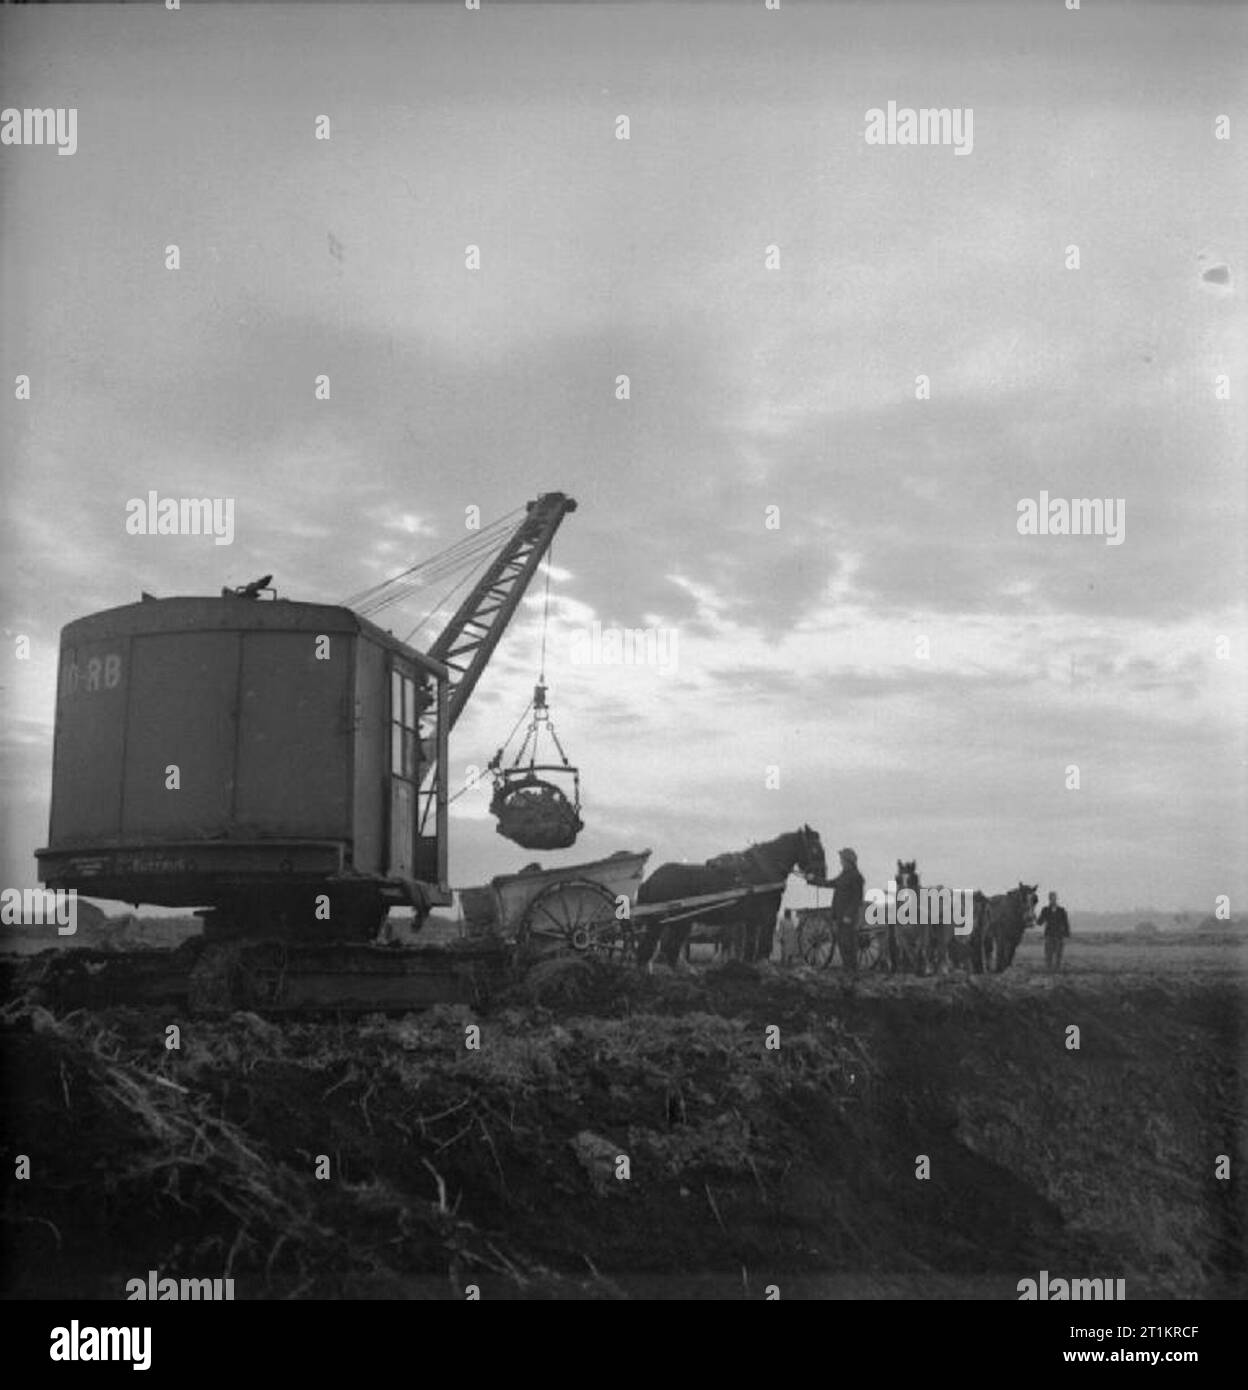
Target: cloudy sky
<point x="750" y="387"/>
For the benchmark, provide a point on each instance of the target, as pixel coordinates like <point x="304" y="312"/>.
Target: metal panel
<point x="402" y="826"/>
<point x="293" y="736"/>
<point x="268" y="741"/>
<point x="180" y="712"/>
<point x="403" y="768"/>
<point x="92" y="689"/>
<point x="371" y="756"/>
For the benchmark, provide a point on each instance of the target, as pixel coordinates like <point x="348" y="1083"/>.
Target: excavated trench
<point x="613" y="1135"/>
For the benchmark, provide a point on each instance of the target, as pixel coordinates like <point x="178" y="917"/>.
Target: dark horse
<point x="931" y="942"/>
<point x="910" y="942"/>
<point x="1010" y="915"/>
<point x="938" y="945"/>
<point x="970" y="951"/>
<point x="752" y="919"/>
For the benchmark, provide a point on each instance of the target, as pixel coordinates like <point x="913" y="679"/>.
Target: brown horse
<point x="913" y="936"/>
<point x="749" y="923"/>
<point x="932" y="943"/>
<point x="1011" y="914"/>
<point x="967" y="952"/>
<point x="941" y="931"/>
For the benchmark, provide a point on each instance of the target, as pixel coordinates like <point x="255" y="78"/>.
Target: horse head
<point x="907" y="873"/>
<point x="1028" y="899"/>
<point x="811" y="860"/>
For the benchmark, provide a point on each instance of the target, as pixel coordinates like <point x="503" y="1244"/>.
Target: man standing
<point x="848" y="889"/>
<point x="1056" y="926"/>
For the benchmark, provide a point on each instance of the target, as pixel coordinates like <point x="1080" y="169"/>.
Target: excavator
<point x="305" y="792"/>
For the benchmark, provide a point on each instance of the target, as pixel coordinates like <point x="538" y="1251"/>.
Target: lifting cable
<point x="442" y="603"/>
<point x="467" y="788"/>
<point x="537" y="705"/>
<point x="443" y="557"/>
<point x="468" y="551"/>
<point x="541" y="665"/>
<point x="439" y="607"/>
<point x="402" y="585"/>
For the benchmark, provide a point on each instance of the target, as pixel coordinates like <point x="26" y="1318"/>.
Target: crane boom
<point x="463" y="647"/>
<point x="468" y="640"/>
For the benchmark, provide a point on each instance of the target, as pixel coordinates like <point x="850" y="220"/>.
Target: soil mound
<point x="607" y="1134"/>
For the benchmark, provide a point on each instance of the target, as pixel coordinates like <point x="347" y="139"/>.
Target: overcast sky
<point x="751" y="388"/>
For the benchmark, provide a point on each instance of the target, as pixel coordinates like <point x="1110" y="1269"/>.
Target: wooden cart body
<point x="580" y="907"/>
<point x="501" y="907"/>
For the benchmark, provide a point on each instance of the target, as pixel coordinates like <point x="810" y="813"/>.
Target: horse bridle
<point x="807" y="838"/>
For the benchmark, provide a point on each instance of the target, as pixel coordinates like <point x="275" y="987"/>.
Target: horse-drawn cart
<point x="816" y="940"/>
<point x="572" y="908"/>
<point x="580" y="907"/>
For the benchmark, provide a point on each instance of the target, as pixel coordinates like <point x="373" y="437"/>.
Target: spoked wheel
<point x="870" y="956"/>
<point x="818" y="942"/>
<point x="574" y="916"/>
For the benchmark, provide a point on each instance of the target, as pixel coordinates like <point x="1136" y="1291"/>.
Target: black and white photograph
<point x="624" y="663"/>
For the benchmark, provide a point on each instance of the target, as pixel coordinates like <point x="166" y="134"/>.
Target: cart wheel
<point x="818" y="942"/>
<point x="869" y="953"/>
<point x="574" y="916"/>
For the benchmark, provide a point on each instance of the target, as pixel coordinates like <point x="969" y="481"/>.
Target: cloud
<point x="749" y="390"/>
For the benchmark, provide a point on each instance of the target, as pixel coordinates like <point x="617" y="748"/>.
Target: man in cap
<point x="1056" y="926"/>
<point x="848" y="890"/>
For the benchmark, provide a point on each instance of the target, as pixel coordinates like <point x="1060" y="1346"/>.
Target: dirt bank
<point x="747" y="1165"/>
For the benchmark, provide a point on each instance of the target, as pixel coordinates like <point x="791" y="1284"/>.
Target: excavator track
<point x="272" y="978"/>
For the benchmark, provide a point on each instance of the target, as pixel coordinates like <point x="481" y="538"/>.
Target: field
<point x="746" y="1165"/>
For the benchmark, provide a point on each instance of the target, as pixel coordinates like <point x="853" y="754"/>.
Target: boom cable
<point x="449" y="556"/>
<point x="464" y="555"/>
<point x="541" y="666"/>
<point x="464" y="552"/>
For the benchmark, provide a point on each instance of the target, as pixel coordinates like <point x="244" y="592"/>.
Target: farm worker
<point x="1056" y="926"/>
<point x="847" y="893"/>
<point x="848" y="889"/>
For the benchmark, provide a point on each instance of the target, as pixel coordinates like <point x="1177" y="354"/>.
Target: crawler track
<point x="265" y="977"/>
